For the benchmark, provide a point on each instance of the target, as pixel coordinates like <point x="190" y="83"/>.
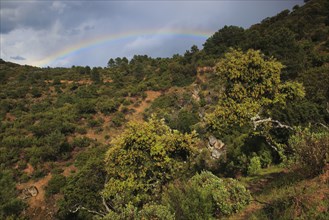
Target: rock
<point x="205" y="69"/>
<point x="195" y="94"/>
<point x="216" y="147"/>
<point x="31" y="191"/>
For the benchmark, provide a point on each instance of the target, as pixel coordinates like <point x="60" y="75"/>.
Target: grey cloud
<point x="17" y="58"/>
<point x="40" y="15"/>
<point x="24" y="14"/>
<point x="38" y="28"/>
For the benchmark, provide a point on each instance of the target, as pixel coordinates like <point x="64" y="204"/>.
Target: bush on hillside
<point x="311" y="150"/>
<point x="205" y="196"/>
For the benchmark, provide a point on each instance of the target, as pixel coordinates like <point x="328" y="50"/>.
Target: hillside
<point x="236" y="130"/>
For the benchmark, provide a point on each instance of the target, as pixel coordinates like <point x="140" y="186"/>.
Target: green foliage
<point x="36" y="92"/>
<point x="222" y="40"/>
<point x="42" y="109"/>
<point x="81" y="142"/>
<point x="184" y="121"/>
<point x="251" y="86"/>
<point x="311" y="150"/>
<point x="83" y="188"/>
<point x="55" y="184"/>
<point x="156" y="212"/>
<point x="86" y="106"/>
<point x="10" y="205"/>
<point x="128" y="212"/>
<point x="144" y="158"/>
<point x="182" y="75"/>
<point x="95" y="75"/>
<point x="300" y="112"/>
<point x="292" y="208"/>
<point x="315" y="81"/>
<point x="93" y="123"/>
<point x="118" y="119"/>
<point x="165" y="101"/>
<point x="107" y="106"/>
<point x="206" y="196"/>
<point x="254" y="166"/>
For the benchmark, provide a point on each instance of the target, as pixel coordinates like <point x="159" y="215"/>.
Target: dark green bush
<point x="108" y="106"/>
<point x="184" y="121"/>
<point x="86" y="106"/>
<point x="9" y="204"/>
<point x="55" y="184"/>
<point x="81" y="142"/>
<point x="36" y="92"/>
<point x="118" y="119"/>
<point x="94" y="123"/>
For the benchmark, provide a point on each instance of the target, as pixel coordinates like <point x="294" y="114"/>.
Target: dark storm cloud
<point x="17" y="58"/>
<point x="43" y="14"/>
<point x="18" y="14"/>
<point x="116" y="15"/>
<point x="37" y="29"/>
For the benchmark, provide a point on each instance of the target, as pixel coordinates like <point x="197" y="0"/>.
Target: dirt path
<point x="138" y="111"/>
<point x="38" y="208"/>
<point x="29" y="169"/>
<point x="246" y="213"/>
<point x="10" y="117"/>
<point x="67" y="171"/>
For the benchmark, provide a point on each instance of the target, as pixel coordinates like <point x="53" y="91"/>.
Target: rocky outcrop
<point x="195" y="94"/>
<point x="216" y="147"/>
<point x="205" y="69"/>
<point x="31" y="191"/>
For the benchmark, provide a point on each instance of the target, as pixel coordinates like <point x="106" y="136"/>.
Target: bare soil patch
<point x="137" y="115"/>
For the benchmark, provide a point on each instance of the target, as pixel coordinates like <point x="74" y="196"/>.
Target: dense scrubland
<point x="236" y="130"/>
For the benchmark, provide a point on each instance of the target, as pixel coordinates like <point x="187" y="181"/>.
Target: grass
<point x="279" y="193"/>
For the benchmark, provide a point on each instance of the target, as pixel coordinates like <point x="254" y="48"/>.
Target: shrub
<point x="81" y="142"/>
<point x="9" y="204"/>
<point x="254" y="165"/>
<point x="24" y="178"/>
<point x="36" y="92"/>
<point x="55" y="184"/>
<point x="265" y="157"/>
<point x="57" y="170"/>
<point x="126" y="102"/>
<point x="92" y="123"/>
<point x="108" y="106"/>
<point x="143" y="159"/>
<point x="156" y="212"/>
<point x="38" y="173"/>
<point x="311" y="150"/>
<point x="128" y="212"/>
<point x="184" y="121"/>
<point x="86" y="106"/>
<point x="81" y="130"/>
<point x="118" y="119"/>
<point x="205" y="196"/>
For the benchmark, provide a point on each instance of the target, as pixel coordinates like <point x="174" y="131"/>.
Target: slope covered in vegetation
<point x="237" y="130"/>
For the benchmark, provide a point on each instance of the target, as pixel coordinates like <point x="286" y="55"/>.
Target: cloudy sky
<point x="71" y="32"/>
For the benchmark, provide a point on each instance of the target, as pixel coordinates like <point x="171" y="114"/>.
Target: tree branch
<point x="257" y="121"/>
<point x="88" y="210"/>
<point x="108" y="209"/>
<point x="326" y="127"/>
<point x="256" y="200"/>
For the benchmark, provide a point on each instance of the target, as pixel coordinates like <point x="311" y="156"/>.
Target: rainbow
<point x="99" y="40"/>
